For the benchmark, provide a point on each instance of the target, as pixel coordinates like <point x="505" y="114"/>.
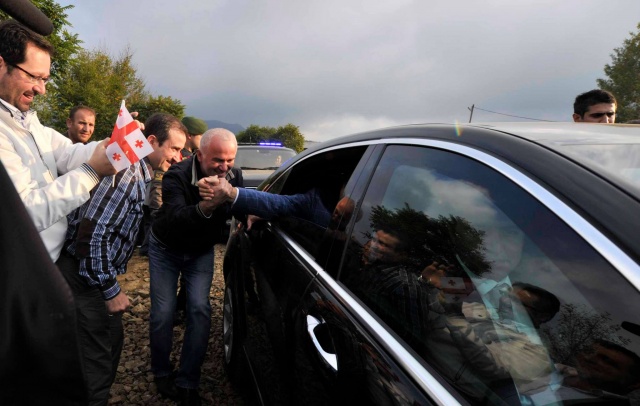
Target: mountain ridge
<point x="234" y="128"/>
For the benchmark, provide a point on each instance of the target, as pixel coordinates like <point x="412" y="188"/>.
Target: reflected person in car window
<point x="390" y="284"/>
<point x="484" y="336"/>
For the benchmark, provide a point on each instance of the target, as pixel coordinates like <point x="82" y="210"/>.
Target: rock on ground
<point x="134" y="380"/>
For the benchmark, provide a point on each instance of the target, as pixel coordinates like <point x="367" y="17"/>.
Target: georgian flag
<point x="127" y="145"/>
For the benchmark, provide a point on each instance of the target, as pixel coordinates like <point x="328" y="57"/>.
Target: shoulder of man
<point x="184" y="165"/>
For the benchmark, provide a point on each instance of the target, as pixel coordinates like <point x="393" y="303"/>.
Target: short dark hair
<point x="549" y="303"/>
<point x="74" y="110"/>
<point x="159" y="125"/>
<point x="14" y="38"/>
<point x="587" y="99"/>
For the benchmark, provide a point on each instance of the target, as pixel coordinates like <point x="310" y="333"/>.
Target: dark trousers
<point x="100" y="334"/>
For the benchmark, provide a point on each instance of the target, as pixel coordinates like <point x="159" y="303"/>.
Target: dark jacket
<point x="40" y="357"/>
<point x="180" y="225"/>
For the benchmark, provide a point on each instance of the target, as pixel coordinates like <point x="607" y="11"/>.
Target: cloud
<point x="337" y="66"/>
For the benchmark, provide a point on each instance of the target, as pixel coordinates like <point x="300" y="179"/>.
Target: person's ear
<point x="69" y="123"/>
<point x="577" y="118"/>
<point x="153" y="141"/>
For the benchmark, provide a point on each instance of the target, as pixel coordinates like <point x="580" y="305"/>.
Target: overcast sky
<point x="335" y="67"/>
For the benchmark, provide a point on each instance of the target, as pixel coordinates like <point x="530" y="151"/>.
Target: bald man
<point x="181" y="241"/>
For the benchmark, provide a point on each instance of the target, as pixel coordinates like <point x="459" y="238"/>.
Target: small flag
<point x="128" y="144"/>
<point x="452" y="285"/>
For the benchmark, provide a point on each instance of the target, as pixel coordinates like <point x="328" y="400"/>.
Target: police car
<point x="259" y="160"/>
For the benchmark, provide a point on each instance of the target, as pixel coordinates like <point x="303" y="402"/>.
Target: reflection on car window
<point x="489" y="287"/>
<point x="619" y="160"/>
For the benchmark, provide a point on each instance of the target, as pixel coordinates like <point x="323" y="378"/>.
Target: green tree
<point x="447" y="240"/>
<point x="158" y="104"/>
<point x="98" y="80"/>
<point x="576" y="328"/>
<point x="289" y="135"/>
<point x="65" y="43"/>
<point x="623" y="78"/>
<point x="255" y="133"/>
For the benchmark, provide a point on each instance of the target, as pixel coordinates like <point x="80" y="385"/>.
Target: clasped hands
<point x="215" y="191"/>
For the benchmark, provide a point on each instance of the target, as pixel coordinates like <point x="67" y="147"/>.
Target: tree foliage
<point x="447" y="240"/>
<point x="158" y="104"/>
<point x="98" y="80"/>
<point x="623" y="78"/>
<point x="65" y="43"/>
<point x="289" y="135"/>
<point x="577" y="328"/>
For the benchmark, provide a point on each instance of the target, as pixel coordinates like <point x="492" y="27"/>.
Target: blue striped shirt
<point x="102" y="232"/>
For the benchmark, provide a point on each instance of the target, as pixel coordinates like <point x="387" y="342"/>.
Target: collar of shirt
<point x="147" y="169"/>
<point x="19" y="116"/>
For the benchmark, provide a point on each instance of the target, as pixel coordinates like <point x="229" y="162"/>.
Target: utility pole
<point x="471" y="109"/>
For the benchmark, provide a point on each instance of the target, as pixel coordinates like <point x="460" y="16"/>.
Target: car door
<point x="285" y="252"/>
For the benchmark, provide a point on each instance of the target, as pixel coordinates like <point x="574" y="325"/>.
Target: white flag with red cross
<point x="128" y="144"/>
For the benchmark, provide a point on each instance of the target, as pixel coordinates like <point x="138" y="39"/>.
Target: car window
<point x="322" y="179"/>
<point x="488" y="286"/>
<point x="262" y="158"/>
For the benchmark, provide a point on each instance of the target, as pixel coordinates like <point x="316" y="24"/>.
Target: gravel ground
<point x="134" y="381"/>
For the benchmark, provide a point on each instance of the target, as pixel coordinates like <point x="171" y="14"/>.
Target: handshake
<point x="214" y="192"/>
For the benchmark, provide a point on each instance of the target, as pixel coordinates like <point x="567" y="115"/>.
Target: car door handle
<point x="329" y="358"/>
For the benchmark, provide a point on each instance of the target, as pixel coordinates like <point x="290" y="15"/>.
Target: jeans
<point x="165" y="266"/>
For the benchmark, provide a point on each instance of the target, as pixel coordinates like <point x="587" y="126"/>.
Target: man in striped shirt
<point x="100" y="241"/>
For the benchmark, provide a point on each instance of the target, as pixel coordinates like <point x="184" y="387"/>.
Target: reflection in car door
<point x="278" y="280"/>
<point x="339" y="361"/>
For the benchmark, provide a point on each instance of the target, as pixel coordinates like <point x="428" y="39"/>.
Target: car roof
<point x="555" y="134"/>
<point x="538" y="132"/>
<point x="491" y="137"/>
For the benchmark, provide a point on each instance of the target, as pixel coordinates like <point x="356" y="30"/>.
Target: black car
<point x="462" y="264"/>
<point x="259" y="160"/>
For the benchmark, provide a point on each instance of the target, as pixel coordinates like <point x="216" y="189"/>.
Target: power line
<point x="474" y="107"/>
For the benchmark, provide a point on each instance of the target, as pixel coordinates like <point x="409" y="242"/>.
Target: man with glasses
<point x="52" y="176"/>
<point x="595" y="106"/>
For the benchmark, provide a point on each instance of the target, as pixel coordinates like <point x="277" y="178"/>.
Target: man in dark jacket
<point x="182" y="239"/>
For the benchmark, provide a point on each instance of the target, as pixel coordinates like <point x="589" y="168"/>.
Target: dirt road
<point x="134" y="382"/>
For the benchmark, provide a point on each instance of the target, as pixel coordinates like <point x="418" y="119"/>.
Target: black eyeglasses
<point x="599" y="115"/>
<point x="31" y="77"/>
